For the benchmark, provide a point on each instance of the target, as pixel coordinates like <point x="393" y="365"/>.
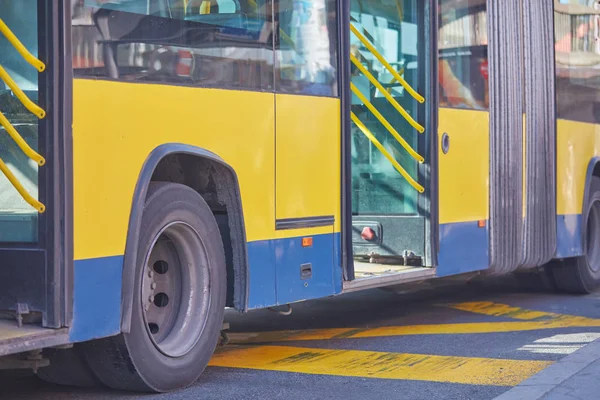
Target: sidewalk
<point x="576" y="376"/>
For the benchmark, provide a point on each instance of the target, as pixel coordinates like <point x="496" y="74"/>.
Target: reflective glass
<point x="209" y="43"/>
<point x="395" y="30"/>
<point x="463" y="63"/>
<point x="306" y="48"/>
<point x="577" y="36"/>
<point x="18" y="220"/>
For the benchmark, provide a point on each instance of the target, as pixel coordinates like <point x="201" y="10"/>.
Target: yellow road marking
<point x="529" y="320"/>
<point x="372" y="364"/>
<point x="504" y="310"/>
<point x="439" y="329"/>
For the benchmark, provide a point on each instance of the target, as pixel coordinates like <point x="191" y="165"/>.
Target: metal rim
<point x="175" y="289"/>
<point x="593" y="236"/>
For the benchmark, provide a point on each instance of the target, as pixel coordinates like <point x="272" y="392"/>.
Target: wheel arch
<point x="156" y="168"/>
<point x="593" y="169"/>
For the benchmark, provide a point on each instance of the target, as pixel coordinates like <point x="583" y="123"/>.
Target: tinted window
<point x="213" y="43"/>
<point x="392" y="29"/>
<point x="577" y="35"/>
<point x="306" y="46"/>
<point x="18" y="220"/>
<point x="463" y="61"/>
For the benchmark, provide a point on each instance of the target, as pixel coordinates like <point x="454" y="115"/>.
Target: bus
<point x="165" y="160"/>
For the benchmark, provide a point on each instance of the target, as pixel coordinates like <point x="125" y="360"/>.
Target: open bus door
<point x="35" y="219"/>
<point x="391" y="157"/>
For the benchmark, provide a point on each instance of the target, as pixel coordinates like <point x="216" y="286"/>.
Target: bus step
<point x="15" y="339"/>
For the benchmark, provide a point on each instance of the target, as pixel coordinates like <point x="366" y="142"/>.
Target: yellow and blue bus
<point x="164" y="160"/>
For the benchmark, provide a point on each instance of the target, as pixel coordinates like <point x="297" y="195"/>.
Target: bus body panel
<point x="463" y="191"/>
<point x="104" y="186"/>
<point x="276" y="187"/>
<point x="308" y="188"/>
<point x="102" y="203"/>
<point x="283" y="259"/>
<point x="307" y="158"/>
<point x="97" y="289"/>
<point x="577" y="144"/>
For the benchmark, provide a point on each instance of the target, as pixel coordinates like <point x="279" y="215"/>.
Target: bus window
<point x="18" y="220"/>
<point x="208" y="43"/>
<point x="463" y="63"/>
<point x="577" y="35"/>
<point x="306" y="48"/>
<point x="393" y="28"/>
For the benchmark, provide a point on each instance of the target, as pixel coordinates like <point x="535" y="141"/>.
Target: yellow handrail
<point x="30" y="105"/>
<point x="20" y="141"/>
<point x="382" y="60"/>
<point x="15" y="182"/>
<point x="385" y="123"/>
<point x="400" y="10"/>
<point x="401" y="72"/>
<point x="388" y="96"/>
<point x="385" y="153"/>
<point x="30" y="58"/>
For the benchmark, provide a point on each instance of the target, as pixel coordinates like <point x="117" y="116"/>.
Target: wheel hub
<point x="175" y="292"/>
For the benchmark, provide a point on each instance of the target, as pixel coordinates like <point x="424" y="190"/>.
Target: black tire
<point x="540" y="279"/>
<point x="133" y="361"/>
<point x="581" y="275"/>
<point x="68" y="367"/>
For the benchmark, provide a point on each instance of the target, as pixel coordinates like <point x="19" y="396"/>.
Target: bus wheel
<point x="582" y="274"/>
<point x="179" y="298"/>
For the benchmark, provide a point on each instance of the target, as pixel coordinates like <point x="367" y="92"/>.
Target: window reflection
<point x="213" y="43"/>
<point x="393" y="28"/>
<point x="577" y="35"/>
<point x="463" y="58"/>
<point x="18" y="220"/>
<point x="306" y="48"/>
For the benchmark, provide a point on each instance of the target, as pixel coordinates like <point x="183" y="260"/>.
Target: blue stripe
<point x="274" y="267"/>
<point x="463" y="248"/>
<point x="96" y="298"/>
<point x="275" y="277"/>
<point x="262" y="290"/>
<point x="568" y="236"/>
<point x="338" y="269"/>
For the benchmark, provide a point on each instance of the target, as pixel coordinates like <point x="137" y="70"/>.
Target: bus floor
<point x="15" y="339"/>
<point x="365" y="270"/>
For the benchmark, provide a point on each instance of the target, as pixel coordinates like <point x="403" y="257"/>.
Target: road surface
<point x="472" y="341"/>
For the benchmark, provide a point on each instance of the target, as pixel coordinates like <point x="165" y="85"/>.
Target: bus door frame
<point x="430" y="84"/>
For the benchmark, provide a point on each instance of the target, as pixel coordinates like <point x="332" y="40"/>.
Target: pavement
<point x="573" y="377"/>
<point x="478" y="341"/>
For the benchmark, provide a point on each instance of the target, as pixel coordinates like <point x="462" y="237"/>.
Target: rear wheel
<point x="582" y="274"/>
<point x="179" y="298"/>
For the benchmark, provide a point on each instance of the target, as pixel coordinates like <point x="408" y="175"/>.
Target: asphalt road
<point x="461" y="342"/>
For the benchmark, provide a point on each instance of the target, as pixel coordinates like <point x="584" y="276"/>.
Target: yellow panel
<point x="576" y="144"/>
<point x="464" y="171"/>
<point x="116" y="126"/>
<point x="307" y="158"/>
